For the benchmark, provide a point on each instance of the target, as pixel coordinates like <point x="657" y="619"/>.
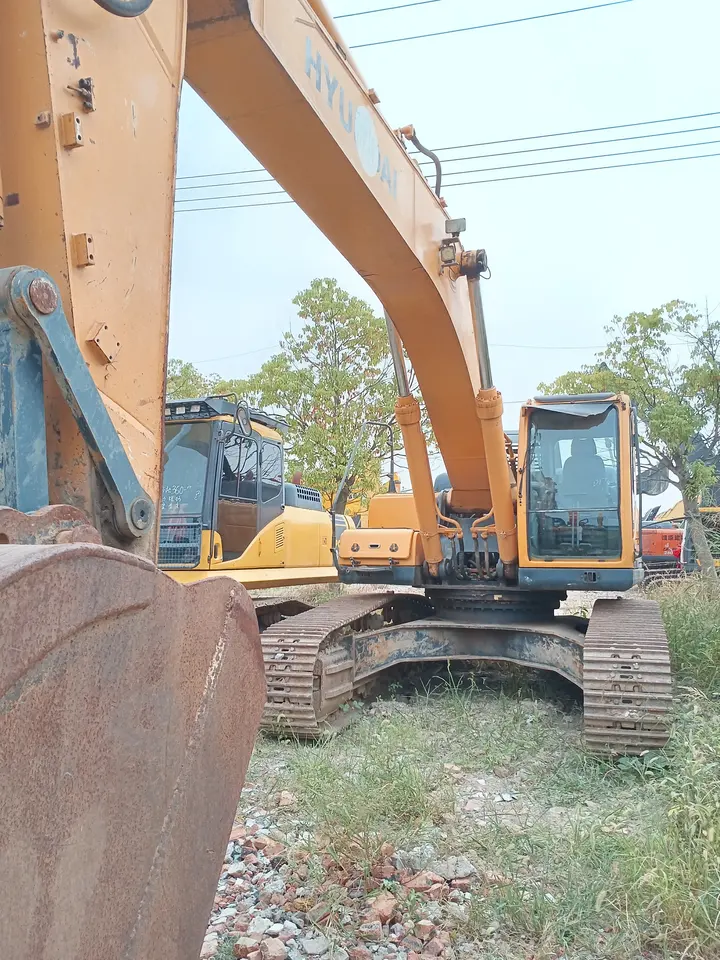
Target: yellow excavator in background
<point x="226" y="508"/>
<point x="130" y="702"/>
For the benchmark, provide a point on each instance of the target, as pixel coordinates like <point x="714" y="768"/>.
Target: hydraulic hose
<point x="409" y="132"/>
<point x="125" y="8"/>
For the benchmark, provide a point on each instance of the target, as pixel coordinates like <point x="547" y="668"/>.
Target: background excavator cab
<point x="225" y="506"/>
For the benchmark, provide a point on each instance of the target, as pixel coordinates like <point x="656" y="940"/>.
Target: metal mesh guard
<point x="180" y="542"/>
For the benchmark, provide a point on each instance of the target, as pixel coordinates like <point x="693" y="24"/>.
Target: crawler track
<point x="626" y="678"/>
<point x="310" y="665"/>
<point x="309" y="658"/>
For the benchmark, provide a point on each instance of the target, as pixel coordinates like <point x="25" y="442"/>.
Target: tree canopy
<point x="678" y="401"/>
<point x="326" y="380"/>
<point x="185" y="382"/>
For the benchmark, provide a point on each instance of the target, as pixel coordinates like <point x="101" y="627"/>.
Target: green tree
<point x="328" y="379"/>
<point x="678" y="403"/>
<point x="184" y="381"/>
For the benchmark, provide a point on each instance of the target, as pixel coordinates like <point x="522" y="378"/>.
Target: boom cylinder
<point x="408" y="414"/>
<point x="481" y="340"/>
<point x="396" y="352"/>
<point x="407" y="411"/>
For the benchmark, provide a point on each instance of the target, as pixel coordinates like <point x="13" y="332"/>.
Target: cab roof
<point x="207" y="408"/>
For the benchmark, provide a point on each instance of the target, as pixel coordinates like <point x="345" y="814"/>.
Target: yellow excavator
<point x="226" y="508"/>
<point x="130" y="701"/>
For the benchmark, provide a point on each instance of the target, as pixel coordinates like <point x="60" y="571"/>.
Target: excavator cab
<point x="577" y="494"/>
<point x="225" y="506"/>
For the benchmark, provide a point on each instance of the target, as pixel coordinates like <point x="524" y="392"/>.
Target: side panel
<point x="96" y="212"/>
<point x="297" y="538"/>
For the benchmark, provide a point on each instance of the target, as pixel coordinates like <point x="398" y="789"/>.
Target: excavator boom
<point x="287" y="87"/>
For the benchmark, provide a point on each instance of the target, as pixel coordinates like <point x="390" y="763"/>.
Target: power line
<point x="595" y="156"/>
<point x="535" y="346"/>
<point x="484" y="26"/>
<point x="486" y="143"/>
<point x="234" y="196"/>
<point x="399" y="6"/>
<point x="460" y="173"/>
<point x="238" y="206"/>
<point x="515" y="346"/>
<point x="525" y="176"/>
<point x="572" y="133"/>
<point x="233" y="183"/>
<point x="563" y="146"/>
<point x="482" y="156"/>
<point x="611" y="166"/>
<point x="234" y="356"/>
<point x="231" y="173"/>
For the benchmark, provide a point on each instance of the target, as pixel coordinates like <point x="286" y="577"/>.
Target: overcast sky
<point x="566" y="252"/>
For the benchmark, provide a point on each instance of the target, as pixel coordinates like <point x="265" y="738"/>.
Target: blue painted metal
<point x="23" y="452"/>
<point x="132" y="507"/>
<point x="125" y="8"/>
<point x="590" y="578"/>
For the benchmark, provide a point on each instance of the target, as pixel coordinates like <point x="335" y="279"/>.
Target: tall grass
<point x="691" y="610"/>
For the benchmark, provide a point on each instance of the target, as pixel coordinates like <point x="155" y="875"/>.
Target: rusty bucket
<point x="128" y="709"/>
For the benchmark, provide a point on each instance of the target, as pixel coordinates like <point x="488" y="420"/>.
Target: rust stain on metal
<point x="74" y="60"/>
<point x="43" y="295"/>
<point x="127" y="720"/>
<point x="58" y="523"/>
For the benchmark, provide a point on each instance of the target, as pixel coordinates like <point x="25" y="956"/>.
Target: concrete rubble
<point x="281" y="898"/>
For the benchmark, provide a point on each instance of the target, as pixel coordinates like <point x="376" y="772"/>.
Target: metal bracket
<point x="85" y="89"/>
<point x="30" y="299"/>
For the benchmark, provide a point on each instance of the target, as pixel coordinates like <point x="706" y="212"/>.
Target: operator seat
<point x="583" y="484"/>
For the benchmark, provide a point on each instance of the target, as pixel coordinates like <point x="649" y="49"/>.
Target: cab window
<point x="239" y="469"/>
<point x="187" y="449"/>
<point x="272" y="478"/>
<point x="574" y="491"/>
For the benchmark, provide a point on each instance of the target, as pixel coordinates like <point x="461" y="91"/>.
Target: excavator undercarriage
<point x="320" y="659"/>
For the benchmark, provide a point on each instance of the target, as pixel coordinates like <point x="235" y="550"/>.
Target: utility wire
<point x="525" y="176"/>
<point x="611" y="166"/>
<point x="477" y="156"/>
<point x="572" y="133"/>
<point x="486" y="143"/>
<point x="505" y="166"/>
<point x="514" y="346"/>
<point x="234" y="356"/>
<point x="484" y="26"/>
<point x="240" y="206"/>
<point x="232" y="183"/>
<point x="399" y="6"/>
<point x="594" y="156"/>
<point x="563" y="146"/>
<point x="234" y="196"/>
